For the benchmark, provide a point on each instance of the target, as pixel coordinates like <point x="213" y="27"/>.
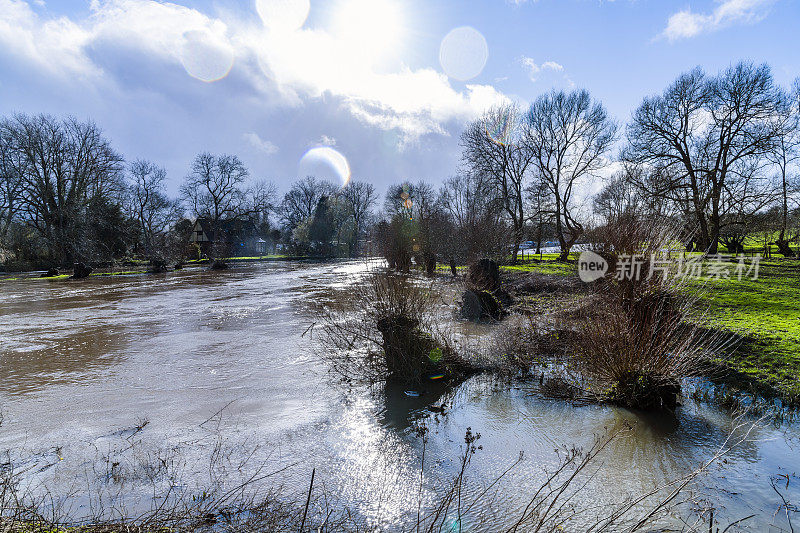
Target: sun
<point x="369" y="28"/>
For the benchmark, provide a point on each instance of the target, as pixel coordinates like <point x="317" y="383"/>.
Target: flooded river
<point x="191" y="359"/>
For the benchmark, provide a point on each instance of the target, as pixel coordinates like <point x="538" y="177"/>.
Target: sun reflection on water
<point x="380" y="470"/>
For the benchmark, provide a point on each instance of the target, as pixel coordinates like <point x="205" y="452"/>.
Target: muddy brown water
<point x="220" y="359"/>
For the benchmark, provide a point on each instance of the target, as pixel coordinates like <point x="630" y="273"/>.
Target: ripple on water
<point x="81" y="361"/>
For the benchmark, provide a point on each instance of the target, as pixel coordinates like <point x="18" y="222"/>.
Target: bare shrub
<point x="384" y="328"/>
<point x="634" y="337"/>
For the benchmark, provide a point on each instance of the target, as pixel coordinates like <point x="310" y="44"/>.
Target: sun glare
<point x="369" y="28"/>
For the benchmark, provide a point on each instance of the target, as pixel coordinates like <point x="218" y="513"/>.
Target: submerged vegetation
<point x="235" y="493"/>
<point x="386" y="328"/>
<point x="634" y="335"/>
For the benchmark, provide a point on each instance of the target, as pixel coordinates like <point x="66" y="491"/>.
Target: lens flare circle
<point x="325" y="163"/>
<point x="463" y="53"/>
<point x="283" y="15"/>
<point x="500" y="127"/>
<point x="206" y="56"/>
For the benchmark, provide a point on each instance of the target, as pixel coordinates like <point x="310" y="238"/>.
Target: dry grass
<point x="257" y="502"/>
<point x="386" y="328"/>
<point x="633" y="338"/>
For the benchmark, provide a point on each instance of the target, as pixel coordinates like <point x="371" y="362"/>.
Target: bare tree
<point x="473" y="218"/>
<point x="568" y="136"/>
<point x="796" y="94"/>
<point x="785" y="154"/>
<point x="213" y="188"/>
<point x="11" y="182"/>
<point x="413" y="212"/>
<point x="705" y="135"/>
<point x="261" y="201"/>
<point x="462" y="198"/>
<point x="153" y="211"/>
<point x="360" y="197"/>
<point x="617" y="198"/>
<point x="414" y="200"/>
<point x="492" y="147"/>
<point x="301" y="201"/>
<point x="541" y="209"/>
<point x="65" y="166"/>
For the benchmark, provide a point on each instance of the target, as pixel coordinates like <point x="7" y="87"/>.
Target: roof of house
<point x="232" y="227"/>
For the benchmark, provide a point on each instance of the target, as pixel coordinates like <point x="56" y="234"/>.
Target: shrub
<point x="384" y="329"/>
<point x="634" y="338"/>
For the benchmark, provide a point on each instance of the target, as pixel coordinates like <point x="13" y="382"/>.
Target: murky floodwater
<point x="209" y="357"/>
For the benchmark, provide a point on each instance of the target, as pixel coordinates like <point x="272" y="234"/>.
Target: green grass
<point x="767" y="312"/>
<point x="66" y="276"/>
<point x="257" y="258"/>
<point x="268" y="257"/>
<point x="123" y="273"/>
<point x="548" y="265"/>
<point x="60" y="276"/>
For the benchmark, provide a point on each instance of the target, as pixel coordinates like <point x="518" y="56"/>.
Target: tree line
<point x="66" y="195"/>
<point x="715" y="154"/>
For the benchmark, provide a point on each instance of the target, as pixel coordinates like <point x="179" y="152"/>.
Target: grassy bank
<point x="546" y="264"/>
<point x="255" y="258"/>
<point x="764" y="313"/>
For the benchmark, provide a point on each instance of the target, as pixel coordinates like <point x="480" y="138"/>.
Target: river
<point x="200" y="360"/>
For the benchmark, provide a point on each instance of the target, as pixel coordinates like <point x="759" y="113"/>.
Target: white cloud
<point x="287" y="68"/>
<point x="254" y="140"/>
<point x="686" y="24"/>
<point x="314" y="64"/>
<point x="533" y="69"/>
<point x="326" y="140"/>
<point x="55" y="45"/>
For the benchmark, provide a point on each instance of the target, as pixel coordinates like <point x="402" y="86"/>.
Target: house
<point x="227" y="238"/>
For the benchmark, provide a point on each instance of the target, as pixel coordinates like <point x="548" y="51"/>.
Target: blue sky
<point x="363" y="77"/>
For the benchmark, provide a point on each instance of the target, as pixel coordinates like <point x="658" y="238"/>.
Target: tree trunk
<point x="713" y="237"/>
<point x="539" y="239"/>
<point x="517" y="243"/>
<point x="783" y="247"/>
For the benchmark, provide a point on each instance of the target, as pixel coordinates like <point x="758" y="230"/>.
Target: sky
<point x="376" y="89"/>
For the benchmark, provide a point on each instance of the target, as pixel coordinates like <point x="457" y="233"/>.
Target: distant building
<point x="228" y="238"/>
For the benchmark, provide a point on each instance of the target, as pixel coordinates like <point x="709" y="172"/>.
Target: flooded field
<point x="195" y="362"/>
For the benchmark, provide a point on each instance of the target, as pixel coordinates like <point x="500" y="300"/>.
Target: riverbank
<point x="761" y="317"/>
<point x="142" y="267"/>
